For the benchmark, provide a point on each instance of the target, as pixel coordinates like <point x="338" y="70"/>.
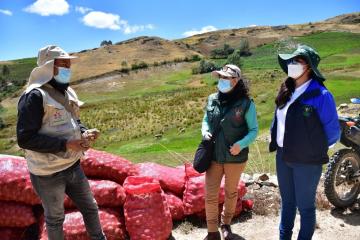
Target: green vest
<point x="233" y="128"/>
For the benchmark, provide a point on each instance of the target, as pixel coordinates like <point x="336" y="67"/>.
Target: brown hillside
<point x="259" y="35"/>
<point x="109" y="58"/>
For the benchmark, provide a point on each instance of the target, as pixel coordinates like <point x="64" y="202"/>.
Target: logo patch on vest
<point x="307" y="110"/>
<point x="58" y="118"/>
<point x="238" y="112"/>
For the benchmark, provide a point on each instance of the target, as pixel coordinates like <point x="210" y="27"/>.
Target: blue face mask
<point x="224" y="85"/>
<point x="63" y="75"/>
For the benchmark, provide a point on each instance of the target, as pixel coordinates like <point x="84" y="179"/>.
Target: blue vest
<point x="305" y="140"/>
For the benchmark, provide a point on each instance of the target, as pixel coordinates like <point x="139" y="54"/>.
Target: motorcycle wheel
<point x="340" y="190"/>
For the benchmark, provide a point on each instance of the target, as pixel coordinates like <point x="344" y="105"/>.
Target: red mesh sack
<point x="147" y="215"/>
<point x="106" y="166"/>
<point x="238" y="210"/>
<point x="74" y="228"/>
<point x="12" y="233"/>
<point x="248" y="204"/>
<point x="106" y="194"/>
<point x="171" y="179"/>
<point x="15" y="184"/>
<point x="176" y="206"/>
<point x="194" y="194"/>
<point x="189" y="171"/>
<point x="14" y="214"/>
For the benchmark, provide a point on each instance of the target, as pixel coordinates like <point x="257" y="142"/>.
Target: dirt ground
<point x="331" y="225"/>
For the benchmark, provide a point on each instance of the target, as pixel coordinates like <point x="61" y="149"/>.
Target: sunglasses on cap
<point x="226" y="68"/>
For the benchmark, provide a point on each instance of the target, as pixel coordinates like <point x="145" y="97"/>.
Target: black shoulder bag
<point x="204" y="153"/>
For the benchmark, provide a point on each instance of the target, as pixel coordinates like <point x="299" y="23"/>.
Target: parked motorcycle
<point x="342" y="179"/>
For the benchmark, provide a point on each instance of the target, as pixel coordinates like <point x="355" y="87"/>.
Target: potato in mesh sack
<point x="106" y="194"/>
<point x="106" y="166"/>
<point x="111" y="221"/>
<point x="176" y="206"/>
<point x="171" y="179"/>
<point x="7" y="233"/>
<point x="14" y="214"/>
<point x="147" y="215"/>
<point x="194" y="194"/>
<point x="15" y="183"/>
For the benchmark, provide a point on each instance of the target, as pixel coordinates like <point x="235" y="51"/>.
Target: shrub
<point x="244" y="48"/>
<point x="195" y="58"/>
<point x="105" y="43"/>
<point x="235" y="58"/>
<point x="124" y="63"/>
<point x="222" y="52"/>
<point x="204" y="67"/>
<point x="125" y="70"/>
<point x="5" y="70"/>
<point x="141" y="65"/>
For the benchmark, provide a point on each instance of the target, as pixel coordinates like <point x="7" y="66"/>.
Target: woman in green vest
<point x="232" y="109"/>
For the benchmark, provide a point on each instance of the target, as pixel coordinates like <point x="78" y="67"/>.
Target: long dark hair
<point x="287" y="88"/>
<point x="241" y="90"/>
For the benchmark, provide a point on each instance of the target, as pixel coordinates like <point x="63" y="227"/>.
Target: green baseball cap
<point x="311" y="56"/>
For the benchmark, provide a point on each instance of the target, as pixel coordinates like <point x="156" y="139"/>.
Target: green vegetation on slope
<point x="168" y="104"/>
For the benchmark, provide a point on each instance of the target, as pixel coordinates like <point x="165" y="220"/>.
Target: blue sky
<point x="27" y="25"/>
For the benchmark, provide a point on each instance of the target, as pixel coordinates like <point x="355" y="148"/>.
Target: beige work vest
<point x="57" y="122"/>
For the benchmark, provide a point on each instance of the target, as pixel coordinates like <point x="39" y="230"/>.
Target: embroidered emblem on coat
<point x="307" y="110"/>
<point x="238" y="113"/>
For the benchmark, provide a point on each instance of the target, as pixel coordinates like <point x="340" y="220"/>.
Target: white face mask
<point x="295" y="70"/>
<point x="224" y="85"/>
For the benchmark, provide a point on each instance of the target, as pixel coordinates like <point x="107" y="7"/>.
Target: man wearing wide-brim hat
<point x="53" y="138"/>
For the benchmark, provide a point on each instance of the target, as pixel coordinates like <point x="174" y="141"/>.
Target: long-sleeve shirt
<point x="30" y="115"/>
<point x="251" y="120"/>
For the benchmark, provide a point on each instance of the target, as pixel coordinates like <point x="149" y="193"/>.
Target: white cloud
<point x="252" y="25"/>
<point x="202" y="30"/>
<point x="82" y="10"/>
<point x="128" y="29"/>
<point x="102" y="20"/>
<point x="6" y="12"/>
<point x="112" y="21"/>
<point x="48" y="7"/>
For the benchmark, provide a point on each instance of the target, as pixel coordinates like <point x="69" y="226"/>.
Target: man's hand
<point x="235" y="149"/>
<point x="91" y="134"/>
<point x="77" y="145"/>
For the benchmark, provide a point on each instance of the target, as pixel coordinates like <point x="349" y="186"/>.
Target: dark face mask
<point x="62" y="87"/>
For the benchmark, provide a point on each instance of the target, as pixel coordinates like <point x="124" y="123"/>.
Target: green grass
<point x="166" y="104"/>
<point x="19" y="73"/>
<point x="341" y="48"/>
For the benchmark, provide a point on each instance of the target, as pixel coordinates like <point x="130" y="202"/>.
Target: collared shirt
<point x="281" y="113"/>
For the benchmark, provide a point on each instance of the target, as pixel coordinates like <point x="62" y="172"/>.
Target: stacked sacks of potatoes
<point x="128" y="196"/>
<point x="17" y="198"/>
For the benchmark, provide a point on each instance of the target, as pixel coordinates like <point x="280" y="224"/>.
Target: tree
<point x="5" y="70"/>
<point x="204" y="67"/>
<point x="2" y="82"/>
<point x="244" y="47"/>
<point x="223" y="52"/>
<point x="105" y="43"/>
<point x="235" y="58"/>
<point x="2" y="124"/>
<point x="195" y="58"/>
